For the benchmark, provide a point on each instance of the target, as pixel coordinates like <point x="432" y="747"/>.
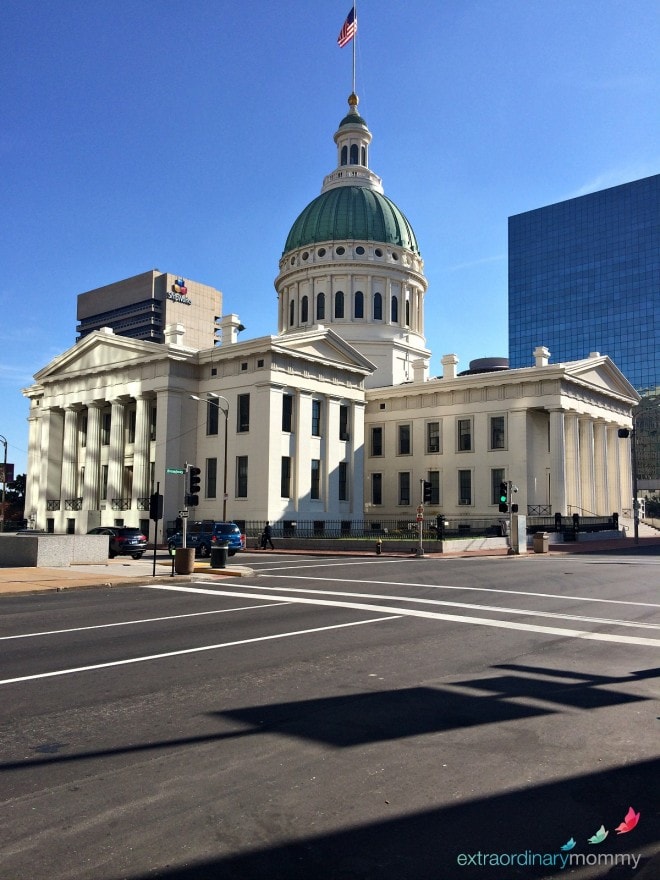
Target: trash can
<point x="541" y="542"/>
<point x="219" y="555"/>
<point x="184" y="560"/>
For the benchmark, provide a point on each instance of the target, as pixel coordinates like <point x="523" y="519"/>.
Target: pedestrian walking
<point x="267" y="537"/>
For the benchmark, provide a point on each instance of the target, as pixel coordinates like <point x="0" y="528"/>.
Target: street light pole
<point x="4" y="483"/>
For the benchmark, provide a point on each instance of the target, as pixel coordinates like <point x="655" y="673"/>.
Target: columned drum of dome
<point x="352" y="261"/>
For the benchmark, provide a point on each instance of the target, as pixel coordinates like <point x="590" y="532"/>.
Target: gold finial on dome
<point x="353" y="100"/>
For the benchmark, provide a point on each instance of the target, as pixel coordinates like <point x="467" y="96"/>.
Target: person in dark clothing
<point x="267" y="537"/>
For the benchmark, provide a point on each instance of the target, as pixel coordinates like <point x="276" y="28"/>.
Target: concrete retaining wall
<point x="52" y="551"/>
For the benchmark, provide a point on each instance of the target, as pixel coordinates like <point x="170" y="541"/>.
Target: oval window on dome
<point x="321" y="252"/>
<point x="293" y="261"/>
<point x="395" y="256"/>
<point x="340" y="250"/>
<point x="378" y="252"/>
<point x="306" y="255"/>
<point x="359" y="250"/>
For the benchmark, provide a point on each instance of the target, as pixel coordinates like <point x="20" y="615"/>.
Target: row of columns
<point x="590" y="472"/>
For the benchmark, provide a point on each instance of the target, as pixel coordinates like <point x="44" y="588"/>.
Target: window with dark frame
<point x="344" y="413"/>
<point x="285" y="481"/>
<point x="315" y="488"/>
<point x="316" y="418"/>
<point x="376" y="441"/>
<point x="464" y="435"/>
<point x="433" y="437"/>
<point x="342" y="489"/>
<point x="287" y="413"/>
<point x="243" y="423"/>
<point x="404" y="440"/>
<point x="376" y="488"/>
<point x="241" y="476"/>
<point x="497" y="433"/>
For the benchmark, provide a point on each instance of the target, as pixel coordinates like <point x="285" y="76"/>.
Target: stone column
<point x="601" y="470"/>
<point x="69" y="485"/>
<point x="116" y="453"/>
<point x="92" y="457"/>
<point x="557" y="463"/>
<point x="587" y="470"/>
<point x="572" y="441"/>
<point x="142" y="447"/>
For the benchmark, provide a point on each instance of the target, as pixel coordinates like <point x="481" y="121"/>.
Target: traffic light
<point x="194" y="486"/>
<point x="156" y="507"/>
<point x="426" y="491"/>
<point x="504" y="497"/>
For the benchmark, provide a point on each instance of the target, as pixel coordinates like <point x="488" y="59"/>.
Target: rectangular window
<point x="376" y="441"/>
<point x="465" y="487"/>
<point x="376" y="488"/>
<point x="434" y="480"/>
<point x="241" y="476"/>
<point x="285" y="477"/>
<point x="104" y="481"/>
<point x="132" y="415"/>
<point x="464" y="435"/>
<point x="105" y="428"/>
<point x="496" y="477"/>
<point x="343" y="422"/>
<point x="243" y="424"/>
<point x="316" y="418"/>
<point x="433" y="437"/>
<point x="404" y="488"/>
<point x="287" y="413"/>
<point x="211" y="477"/>
<point x="315" y="490"/>
<point x="497" y="433"/>
<point x="152" y="422"/>
<point x="404" y="440"/>
<point x="343" y="481"/>
<point x="212" y="418"/>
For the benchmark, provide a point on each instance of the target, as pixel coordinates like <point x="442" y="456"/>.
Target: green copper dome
<point x="352" y="212"/>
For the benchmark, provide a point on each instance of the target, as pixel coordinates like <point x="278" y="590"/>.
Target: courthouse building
<point x="334" y="419"/>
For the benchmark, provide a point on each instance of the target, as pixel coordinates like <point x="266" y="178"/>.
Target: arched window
<point x="359" y="304"/>
<point x="395" y="310"/>
<point x="304" y="310"/>
<point x="344" y="156"/>
<point x="364" y="155"/>
<point x="354" y="154"/>
<point x="378" y="307"/>
<point x="320" y="307"/>
<point x="407" y="313"/>
<point x="292" y="309"/>
<point x="339" y="304"/>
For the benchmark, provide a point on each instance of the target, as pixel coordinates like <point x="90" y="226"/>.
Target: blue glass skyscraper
<point x="584" y="275"/>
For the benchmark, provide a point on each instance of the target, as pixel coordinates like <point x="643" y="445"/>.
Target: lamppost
<point x="214" y="398"/>
<point x="4" y="484"/>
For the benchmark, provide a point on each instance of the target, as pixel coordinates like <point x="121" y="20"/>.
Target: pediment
<point x="327" y="347"/>
<point x="99" y="352"/>
<point x="602" y="373"/>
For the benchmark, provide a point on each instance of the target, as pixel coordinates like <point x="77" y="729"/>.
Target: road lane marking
<point x="183" y="651"/>
<point x="432" y="615"/>
<point x="57" y="632"/>
<point x="500" y="609"/>
<point x="302" y="577"/>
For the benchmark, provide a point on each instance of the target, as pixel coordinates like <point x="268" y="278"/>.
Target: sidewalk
<point x="123" y="571"/>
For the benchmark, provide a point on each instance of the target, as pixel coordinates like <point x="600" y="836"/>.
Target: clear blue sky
<point x="188" y="136"/>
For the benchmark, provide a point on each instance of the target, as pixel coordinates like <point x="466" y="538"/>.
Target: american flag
<point x="349" y="29"/>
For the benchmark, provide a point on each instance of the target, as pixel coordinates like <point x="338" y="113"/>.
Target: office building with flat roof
<point x="584" y="276"/>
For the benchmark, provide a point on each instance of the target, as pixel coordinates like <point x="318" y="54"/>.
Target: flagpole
<point x="354" y="42"/>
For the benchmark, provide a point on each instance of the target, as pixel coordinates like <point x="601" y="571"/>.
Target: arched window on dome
<point x="378" y="307"/>
<point x="339" y="304"/>
<point x="407" y="313"/>
<point x="359" y="304"/>
<point x="364" y="156"/>
<point x="292" y="312"/>
<point x="354" y="154"/>
<point x="344" y="155"/>
<point x="395" y="310"/>
<point x="320" y="307"/>
<point x="304" y="310"/>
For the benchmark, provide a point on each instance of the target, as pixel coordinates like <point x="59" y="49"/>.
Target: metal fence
<point x="392" y="529"/>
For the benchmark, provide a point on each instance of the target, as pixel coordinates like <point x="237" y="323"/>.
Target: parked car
<point x="205" y="534"/>
<point x="124" y="541"/>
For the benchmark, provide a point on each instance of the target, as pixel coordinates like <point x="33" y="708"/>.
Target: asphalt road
<point x="337" y="718"/>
